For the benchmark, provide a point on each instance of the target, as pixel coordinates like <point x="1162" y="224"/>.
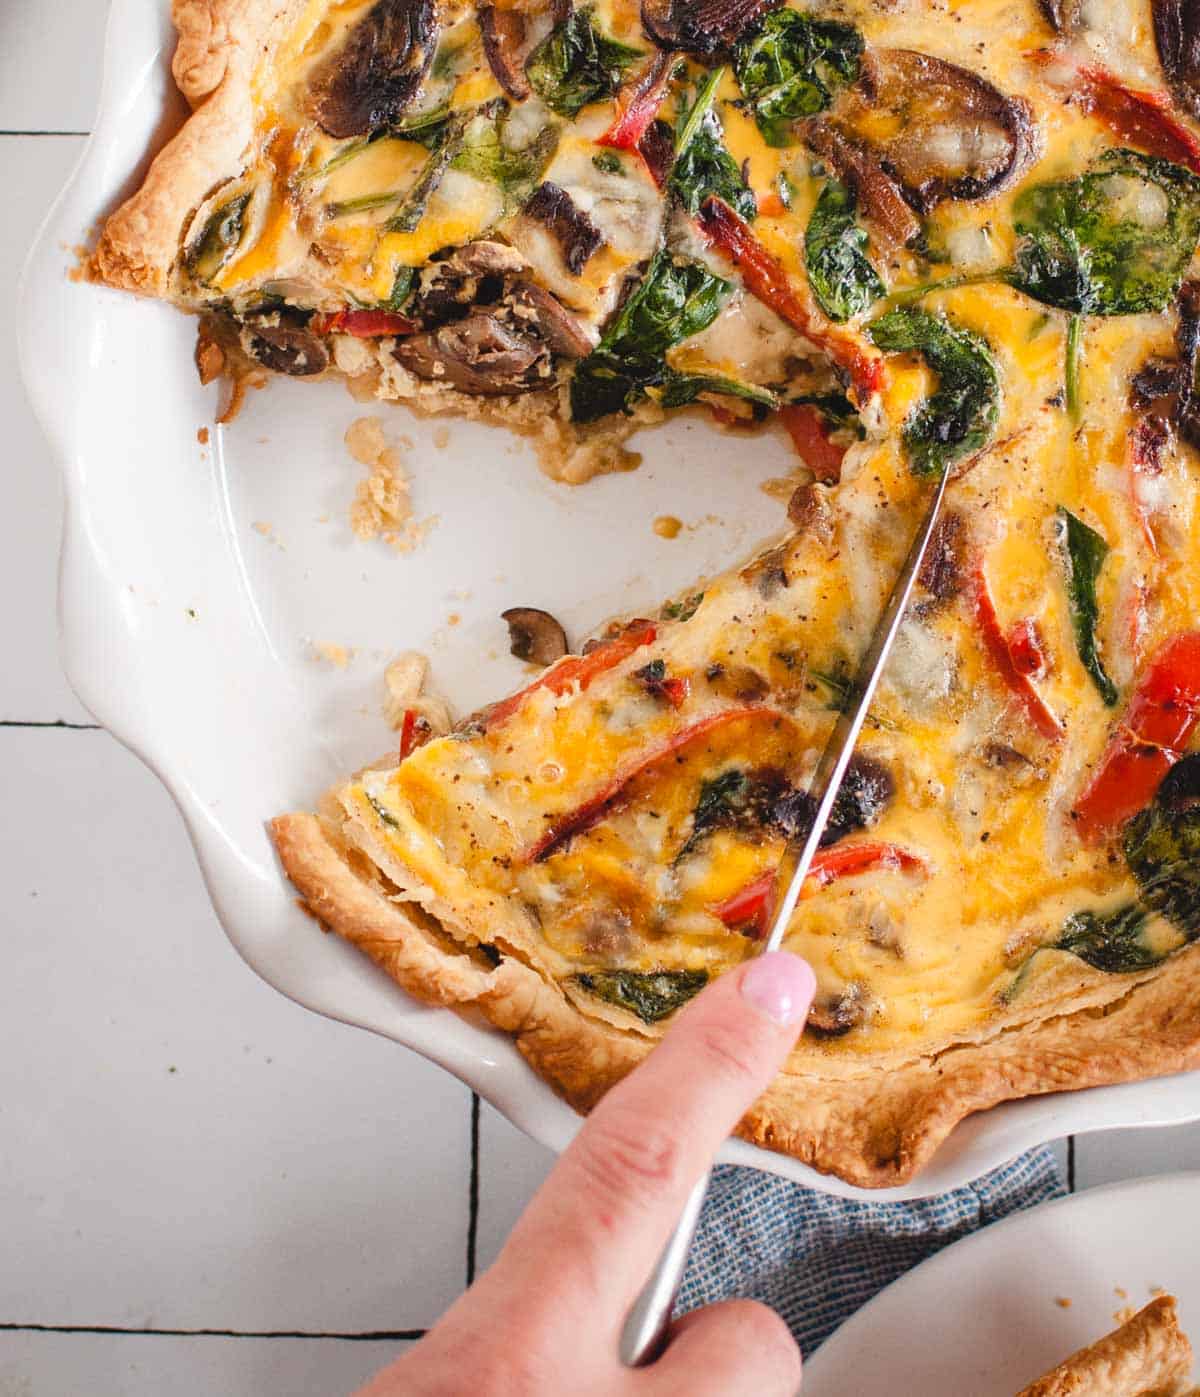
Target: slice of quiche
<point x="1148" y="1356"/>
<point x="1008" y="894"/>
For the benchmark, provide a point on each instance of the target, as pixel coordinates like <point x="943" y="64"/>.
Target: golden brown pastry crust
<point x="220" y="44"/>
<point x="1148" y="1356"/>
<point x="875" y="1129"/>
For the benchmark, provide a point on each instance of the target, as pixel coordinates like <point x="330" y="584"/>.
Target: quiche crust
<point x="1148" y="1354"/>
<point x="220" y="44"/>
<point x="876" y="1130"/>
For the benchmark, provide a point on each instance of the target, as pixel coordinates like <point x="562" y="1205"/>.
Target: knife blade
<point x="645" y="1331"/>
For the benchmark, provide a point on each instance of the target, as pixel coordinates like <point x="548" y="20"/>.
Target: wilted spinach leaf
<point x="402" y="288"/>
<point x="1162" y="848"/>
<point x="789" y="66"/>
<point x="486" y="155"/>
<point x="682" y="609"/>
<point x="1084" y="552"/>
<point x="650" y="994"/>
<point x="673" y="301"/>
<point x="575" y="64"/>
<point x="679" y="389"/>
<point x="1114" y="943"/>
<point x="218" y="240"/>
<point x="835" y="255"/>
<point x="960" y="416"/>
<point x="702" y="164"/>
<point x="1114" y="241"/>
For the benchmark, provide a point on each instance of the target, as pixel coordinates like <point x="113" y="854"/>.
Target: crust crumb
<point x="339" y="656"/>
<point x="667" y="526"/>
<point x="1063" y="1302"/>
<point x="382" y="506"/>
<point x="202" y="436"/>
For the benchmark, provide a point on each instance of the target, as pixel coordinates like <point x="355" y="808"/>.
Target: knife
<point x="644" y="1334"/>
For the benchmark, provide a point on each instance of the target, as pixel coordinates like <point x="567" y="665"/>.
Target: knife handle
<point x="644" y="1335"/>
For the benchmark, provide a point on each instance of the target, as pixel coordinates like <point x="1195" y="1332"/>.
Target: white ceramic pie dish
<point x="192" y="634"/>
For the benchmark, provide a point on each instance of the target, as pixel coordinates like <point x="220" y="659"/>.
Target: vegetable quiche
<point x="925" y="236"/>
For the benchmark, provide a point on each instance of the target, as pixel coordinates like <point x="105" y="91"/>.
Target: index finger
<point x="608" y="1206"/>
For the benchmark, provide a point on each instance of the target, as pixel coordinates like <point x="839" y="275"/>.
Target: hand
<point x="545" y="1319"/>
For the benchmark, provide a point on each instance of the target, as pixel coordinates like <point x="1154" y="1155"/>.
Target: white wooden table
<point x="202" y="1187"/>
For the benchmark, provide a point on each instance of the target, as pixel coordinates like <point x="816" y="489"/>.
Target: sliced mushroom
<point x="506" y="48"/>
<point x="478" y="354"/>
<point x="808" y="511"/>
<point x="281" y="341"/>
<point x="866" y="791"/>
<point x="883" y="205"/>
<point x="1063" y="16"/>
<point x="473" y="275"/>
<point x="1180" y="788"/>
<point x="952" y="135"/>
<point x="768" y="572"/>
<point x="534" y="635"/>
<point x="737" y="682"/>
<point x="701" y="26"/>
<point x="573" y="230"/>
<point x="374" y="76"/>
<point x="942" y="573"/>
<point x="831" y="1016"/>
<point x="1177" y="34"/>
<point x="558" y="327"/>
<point x="657" y="149"/>
<point x="1164" y="390"/>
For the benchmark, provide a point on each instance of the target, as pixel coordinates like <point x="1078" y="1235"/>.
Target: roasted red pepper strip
<point x="1145" y="119"/>
<point x="1028" y="654"/>
<point x="843" y="860"/>
<point x="997" y="647"/>
<point x="414" y="732"/>
<point x="676" y="690"/>
<point x="364" y="324"/>
<point x="1159" y="720"/>
<point x="593" y="810"/>
<point x="766" y="278"/>
<point x="750" y="909"/>
<point x="809" y="431"/>
<point x="408" y="731"/>
<point x="638" y="103"/>
<point x="575" y="669"/>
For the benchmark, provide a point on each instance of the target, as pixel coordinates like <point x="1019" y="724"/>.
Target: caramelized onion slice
<point x="374" y="76"/>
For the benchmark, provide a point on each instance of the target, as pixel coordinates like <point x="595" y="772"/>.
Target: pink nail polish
<point x="780" y="985"/>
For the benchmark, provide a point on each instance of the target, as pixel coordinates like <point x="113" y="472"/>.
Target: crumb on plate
<point x="382" y="506"/>
<point x="339" y="656"/>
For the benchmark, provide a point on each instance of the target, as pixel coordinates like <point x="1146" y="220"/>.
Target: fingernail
<point x="780" y="985"/>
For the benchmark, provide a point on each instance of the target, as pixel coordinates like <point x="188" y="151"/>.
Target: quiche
<point x="1147" y="1356"/>
<point x="937" y="235"/>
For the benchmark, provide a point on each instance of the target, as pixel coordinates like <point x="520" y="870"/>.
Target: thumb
<point x="736" y="1346"/>
<point x="611" y="1201"/>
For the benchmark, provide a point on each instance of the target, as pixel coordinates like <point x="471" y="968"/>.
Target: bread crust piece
<point x="875" y="1130"/>
<point x="1149" y="1354"/>
<point x="221" y="42"/>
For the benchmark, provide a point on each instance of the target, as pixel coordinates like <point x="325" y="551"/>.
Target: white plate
<point x="189" y="633"/>
<point x="983" y="1319"/>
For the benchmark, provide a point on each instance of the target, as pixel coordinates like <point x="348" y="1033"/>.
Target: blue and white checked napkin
<point x="815" y="1259"/>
